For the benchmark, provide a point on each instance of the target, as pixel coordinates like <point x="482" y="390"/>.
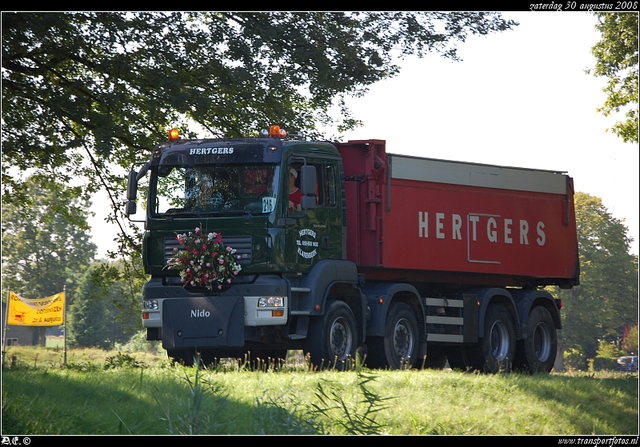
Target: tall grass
<point x="120" y="393"/>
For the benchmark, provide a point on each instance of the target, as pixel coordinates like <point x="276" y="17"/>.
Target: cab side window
<point x="325" y="186"/>
<point x="330" y="184"/>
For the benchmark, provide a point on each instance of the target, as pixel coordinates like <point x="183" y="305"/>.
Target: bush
<point x="121" y="360"/>
<point x="574" y="359"/>
<point x="604" y="364"/>
<point x="139" y="343"/>
<point x="608" y="350"/>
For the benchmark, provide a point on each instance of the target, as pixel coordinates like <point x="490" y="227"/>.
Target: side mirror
<point x="308" y="186"/>
<point x="307" y="202"/>
<point x="132" y="188"/>
<point x="308" y="180"/>
<point x="132" y="192"/>
<point x="132" y="185"/>
<point x="131" y="208"/>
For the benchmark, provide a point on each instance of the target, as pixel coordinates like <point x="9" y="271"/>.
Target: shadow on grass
<point x="134" y="401"/>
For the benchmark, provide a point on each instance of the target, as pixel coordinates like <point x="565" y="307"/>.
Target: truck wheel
<point x="460" y="357"/>
<point x="333" y="337"/>
<point x="399" y="346"/>
<point x="497" y="347"/>
<point x="436" y="358"/>
<point x="494" y="352"/>
<point x="537" y="352"/>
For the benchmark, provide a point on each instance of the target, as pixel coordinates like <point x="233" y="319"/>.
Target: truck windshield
<point x="215" y="189"/>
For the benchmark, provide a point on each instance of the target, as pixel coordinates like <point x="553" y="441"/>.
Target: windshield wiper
<point x="246" y="213"/>
<point x="178" y="214"/>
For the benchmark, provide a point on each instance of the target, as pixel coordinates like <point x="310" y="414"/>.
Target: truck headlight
<point x="271" y="301"/>
<point x="265" y="310"/>
<point x="150" y="304"/>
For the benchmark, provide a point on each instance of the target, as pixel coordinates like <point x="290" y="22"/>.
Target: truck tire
<point x="498" y="346"/>
<point x="399" y="346"/>
<point x="495" y="351"/>
<point x="537" y="352"/>
<point x="332" y="338"/>
<point x="459" y="357"/>
<point x="436" y="358"/>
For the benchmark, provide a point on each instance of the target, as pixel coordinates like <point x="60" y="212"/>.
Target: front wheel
<point x="537" y="352"/>
<point x="332" y="338"/>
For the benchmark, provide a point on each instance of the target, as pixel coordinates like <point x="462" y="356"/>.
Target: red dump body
<point x="447" y="222"/>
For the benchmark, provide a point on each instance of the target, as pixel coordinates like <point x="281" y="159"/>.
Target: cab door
<point x="316" y="233"/>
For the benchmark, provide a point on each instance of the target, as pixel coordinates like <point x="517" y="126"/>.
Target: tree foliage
<point x="617" y="59"/>
<point x="86" y="315"/>
<point x="630" y="340"/>
<point x="86" y="94"/>
<point x="100" y="314"/>
<point x="606" y="301"/>
<point x="45" y="240"/>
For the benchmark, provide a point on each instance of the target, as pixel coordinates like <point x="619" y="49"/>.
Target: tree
<point x="45" y="245"/>
<point x="122" y="316"/>
<point x="100" y="313"/>
<point x="630" y="340"/>
<point x="87" y="312"/>
<point x="44" y="241"/>
<point x="606" y="301"/>
<point x="617" y="59"/>
<point x="87" y="93"/>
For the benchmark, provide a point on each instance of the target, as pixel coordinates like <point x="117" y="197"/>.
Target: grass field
<point x="101" y="392"/>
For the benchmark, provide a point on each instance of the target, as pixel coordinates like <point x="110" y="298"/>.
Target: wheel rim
<point x="341" y="338"/>
<point x="542" y="342"/>
<point x="499" y="337"/>
<point x="403" y="339"/>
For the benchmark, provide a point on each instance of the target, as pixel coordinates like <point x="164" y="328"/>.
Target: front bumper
<point x="187" y="319"/>
<point x="202" y="322"/>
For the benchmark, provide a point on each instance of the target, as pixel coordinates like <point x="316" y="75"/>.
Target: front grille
<point x="242" y="245"/>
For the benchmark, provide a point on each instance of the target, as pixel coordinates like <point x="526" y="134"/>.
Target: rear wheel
<point x="436" y="358"/>
<point x="495" y="351"/>
<point x="498" y="345"/>
<point x="537" y="352"/>
<point x="399" y="346"/>
<point x="333" y="337"/>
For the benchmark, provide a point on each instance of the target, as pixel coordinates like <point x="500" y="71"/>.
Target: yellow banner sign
<point x="36" y="312"/>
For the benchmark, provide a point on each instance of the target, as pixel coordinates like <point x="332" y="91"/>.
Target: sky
<point x="518" y="98"/>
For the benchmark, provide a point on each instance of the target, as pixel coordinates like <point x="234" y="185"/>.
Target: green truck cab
<point x="276" y="202"/>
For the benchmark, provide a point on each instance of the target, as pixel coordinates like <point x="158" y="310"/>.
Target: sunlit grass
<point x="151" y="396"/>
